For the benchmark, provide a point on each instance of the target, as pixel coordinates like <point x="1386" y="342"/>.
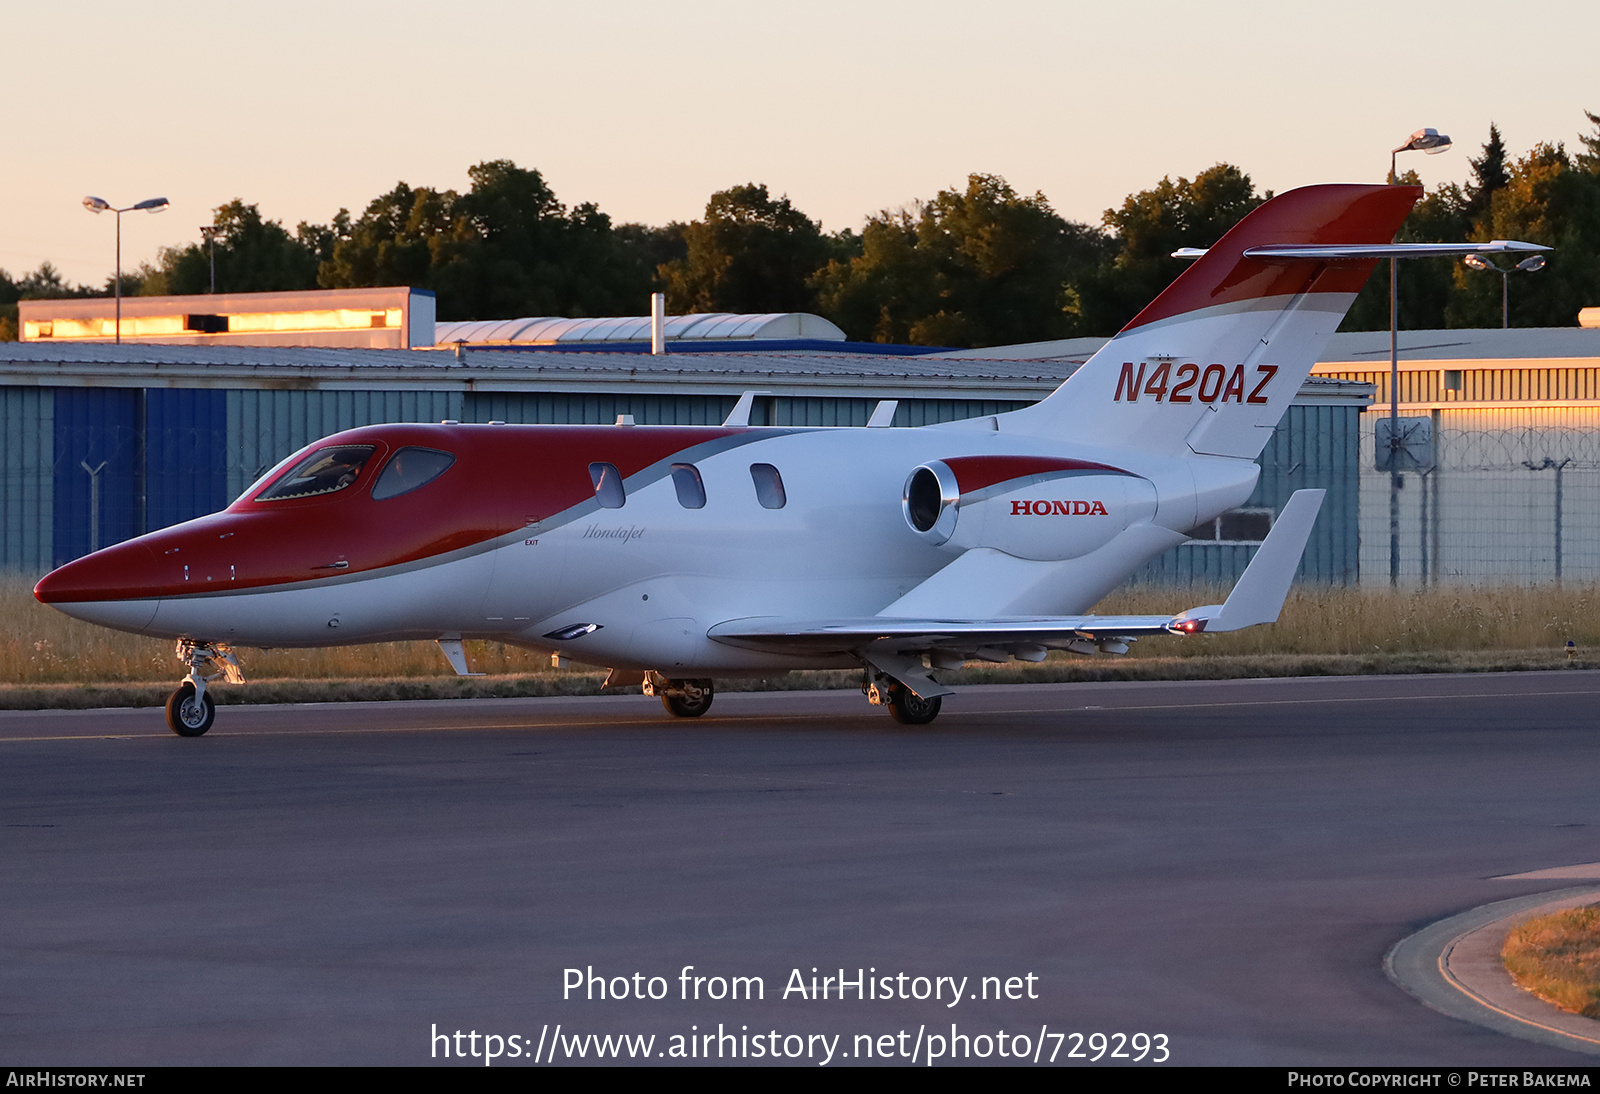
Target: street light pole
<point x="1432" y="142"/>
<point x="1527" y="265"/>
<point x="209" y="233"/>
<point x="101" y="205"/>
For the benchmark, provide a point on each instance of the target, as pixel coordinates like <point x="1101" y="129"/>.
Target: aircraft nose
<point x="117" y="587"/>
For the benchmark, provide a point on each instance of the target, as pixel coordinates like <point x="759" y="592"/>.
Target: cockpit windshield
<point x="410" y="468"/>
<point x="323" y="472"/>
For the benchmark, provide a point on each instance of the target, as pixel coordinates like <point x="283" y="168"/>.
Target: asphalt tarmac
<point x="1220" y="867"/>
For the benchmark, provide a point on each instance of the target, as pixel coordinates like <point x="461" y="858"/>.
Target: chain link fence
<point x="1503" y="503"/>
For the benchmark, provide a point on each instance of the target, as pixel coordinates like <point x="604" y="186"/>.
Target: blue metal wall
<point x="186" y="455"/>
<point x="98" y="443"/>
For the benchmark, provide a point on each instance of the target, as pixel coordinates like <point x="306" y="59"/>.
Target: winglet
<point x="1259" y="595"/>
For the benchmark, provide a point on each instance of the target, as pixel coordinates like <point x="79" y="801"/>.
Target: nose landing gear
<point x="190" y="710"/>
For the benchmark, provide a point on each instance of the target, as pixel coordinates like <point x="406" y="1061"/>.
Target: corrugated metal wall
<point x="27" y="497"/>
<point x="266" y="426"/>
<point x="1314" y="447"/>
<point x="547" y="408"/>
<point x="1484" y="384"/>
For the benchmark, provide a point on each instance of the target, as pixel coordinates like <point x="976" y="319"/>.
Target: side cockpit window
<point x="769" y="486"/>
<point x="323" y="472"/>
<point x="408" y="469"/>
<point x="607" y="485"/>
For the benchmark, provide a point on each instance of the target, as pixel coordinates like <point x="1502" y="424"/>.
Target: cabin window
<point x="608" y="485"/>
<point x="408" y="469"/>
<point x="691" y="490"/>
<point x="323" y="472"/>
<point x="769" y="486"/>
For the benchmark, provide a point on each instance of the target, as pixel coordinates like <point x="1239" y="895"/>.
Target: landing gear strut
<point x="905" y="706"/>
<point x="190" y="709"/>
<point x="682" y="698"/>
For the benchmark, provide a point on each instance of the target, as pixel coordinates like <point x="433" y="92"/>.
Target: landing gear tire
<point x="187" y="717"/>
<point x="693" y="698"/>
<point x="910" y="709"/>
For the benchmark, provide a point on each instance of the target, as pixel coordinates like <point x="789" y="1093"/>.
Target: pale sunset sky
<point x="646" y="108"/>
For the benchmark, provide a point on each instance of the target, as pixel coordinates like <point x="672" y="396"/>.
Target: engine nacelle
<point x="1042" y="508"/>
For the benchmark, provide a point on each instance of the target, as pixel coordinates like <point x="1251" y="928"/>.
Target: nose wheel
<point x="188" y="714"/>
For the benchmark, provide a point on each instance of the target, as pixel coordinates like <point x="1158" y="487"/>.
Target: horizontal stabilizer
<point x="1261" y="590"/>
<point x="1357" y="252"/>
<point x="1363" y="252"/>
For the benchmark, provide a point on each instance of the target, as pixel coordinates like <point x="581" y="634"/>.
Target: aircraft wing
<point x="888" y="641"/>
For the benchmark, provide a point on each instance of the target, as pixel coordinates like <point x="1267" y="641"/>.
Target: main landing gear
<point x="905" y="706"/>
<point x="682" y="698"/>
<point x="191" y="709"/>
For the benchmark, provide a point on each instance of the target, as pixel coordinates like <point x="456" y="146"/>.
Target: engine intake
<point x="929" y="501"/>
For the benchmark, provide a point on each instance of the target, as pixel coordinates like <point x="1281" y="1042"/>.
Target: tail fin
<point x="1212" y="363"/>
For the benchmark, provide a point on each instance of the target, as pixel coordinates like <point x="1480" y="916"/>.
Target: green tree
<point x="393" y="243"/>
<point x="45" y="283"/>
<point x="750" y="253"/>
<point x="252" y="255"/>
<point x="506" y="248"/>
<point x="972" y="267"/>
<point x="1589" y="158"/>
<point x="1149" y="226"/>
<point x="1548" y="199"/>
<point x="1488" y="174"/>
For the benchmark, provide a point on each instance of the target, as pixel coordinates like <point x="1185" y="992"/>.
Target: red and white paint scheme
<point x="673" y="555"/>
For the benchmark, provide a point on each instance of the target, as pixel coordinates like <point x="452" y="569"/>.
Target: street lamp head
<point x="153" y="205"/>
<point x="1430" y="141"/>
<point x="1478" y="262"/>
<point x="1528" y="265"/>
<point x="96" y="205"/>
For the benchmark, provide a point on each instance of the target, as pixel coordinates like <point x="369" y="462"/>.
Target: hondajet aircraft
<point x="673" y="555"/>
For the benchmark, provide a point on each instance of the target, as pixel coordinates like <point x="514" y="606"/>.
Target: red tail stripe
<point x="976" y="472"/>
<point x="1313" y="214"/>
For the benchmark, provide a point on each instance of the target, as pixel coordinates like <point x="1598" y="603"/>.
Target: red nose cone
<point x="115" y="587"/>
<point x="128" y="571"/>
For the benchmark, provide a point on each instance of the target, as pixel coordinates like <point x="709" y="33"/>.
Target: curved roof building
<point x="705" y="327"/>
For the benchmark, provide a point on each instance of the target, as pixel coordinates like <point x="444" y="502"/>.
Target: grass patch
<point x="49" y="660"/>
<point x="1557" y="957"/>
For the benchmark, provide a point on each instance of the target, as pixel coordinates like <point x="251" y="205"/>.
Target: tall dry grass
<point x="41" y="646"/>
<point x="1363" y="620"/>
<point x="1557" y="957"/>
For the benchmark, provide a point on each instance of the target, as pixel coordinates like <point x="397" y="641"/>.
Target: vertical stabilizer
<point x="1212" y="363"/>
